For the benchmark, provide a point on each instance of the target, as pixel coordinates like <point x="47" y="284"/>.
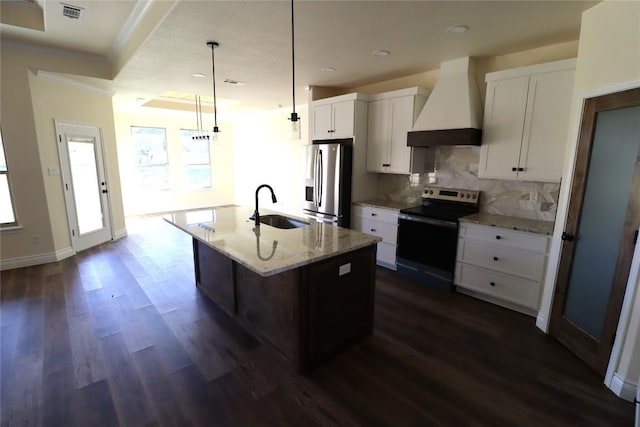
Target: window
<point x="7" y="212"/>
<point x="196" y="160"/>
<point x="152" y="159"/>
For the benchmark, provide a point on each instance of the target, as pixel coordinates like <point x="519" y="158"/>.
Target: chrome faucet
<point x="256" y="215"/>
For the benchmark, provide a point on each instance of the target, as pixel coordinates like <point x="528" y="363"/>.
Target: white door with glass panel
<point x="85" y="184"/>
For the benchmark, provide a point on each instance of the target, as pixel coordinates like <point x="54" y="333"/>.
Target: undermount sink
<point x="281" y="221"/>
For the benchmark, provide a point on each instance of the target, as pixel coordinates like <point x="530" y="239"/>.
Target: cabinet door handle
<point x="495" y="258"/>
<point x="374" y="214"/>
<point x="520" y="169"/>
<point x="492" y="283"/>
<point x="373" y="230"/>
<point x="386" y="165"/>
<point x="498" y="237"/>
<point x="514" y="169"/>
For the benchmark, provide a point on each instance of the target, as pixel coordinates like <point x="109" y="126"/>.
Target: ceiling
<point x="255" y="41"/>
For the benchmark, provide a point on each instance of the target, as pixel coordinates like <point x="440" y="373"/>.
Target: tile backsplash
<point x="457" y="167"/>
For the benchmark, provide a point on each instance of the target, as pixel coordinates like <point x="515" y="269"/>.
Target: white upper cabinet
<point x="333" y="120"/>
<point x="391" y="116"/>
<point x="526" y="119"/>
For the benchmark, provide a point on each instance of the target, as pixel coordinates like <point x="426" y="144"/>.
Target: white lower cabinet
<point x="502" y="266"/>
<point x="380" y="222"/>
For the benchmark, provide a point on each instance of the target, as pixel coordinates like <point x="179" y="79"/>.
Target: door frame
<point x="592" y="107"/>
<point x="61" y="153"/>
<point x="543" y="317"/>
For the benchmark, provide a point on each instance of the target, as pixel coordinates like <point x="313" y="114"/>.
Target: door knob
<point x="105" y="191"/>
<point x="567" y="236"/>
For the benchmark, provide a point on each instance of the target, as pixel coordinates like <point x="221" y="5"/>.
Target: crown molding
<point x="137" y="14"/>
<point x="56" y="51"/>
<point x="70" y="82"/>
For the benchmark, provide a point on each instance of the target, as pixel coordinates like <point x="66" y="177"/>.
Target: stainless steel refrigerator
<point x="328" y="181"/>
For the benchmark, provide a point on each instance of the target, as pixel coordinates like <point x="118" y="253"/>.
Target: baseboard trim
<point x="622" y="388"/>
<point x="29" y="261"/>
<point x="541" y="323"/>
<point x="119" y="234"/>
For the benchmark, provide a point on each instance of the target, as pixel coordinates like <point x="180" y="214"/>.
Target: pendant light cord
<point x="293" y="63"/>
<point x="213" y="77"/>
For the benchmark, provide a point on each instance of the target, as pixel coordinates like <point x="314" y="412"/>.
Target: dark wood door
<point x="601" y="228"/>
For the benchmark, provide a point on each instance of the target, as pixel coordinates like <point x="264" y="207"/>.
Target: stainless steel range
<point x="428" y="234"/>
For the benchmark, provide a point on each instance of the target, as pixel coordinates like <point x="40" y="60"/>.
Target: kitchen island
<point x="308" y="290"/>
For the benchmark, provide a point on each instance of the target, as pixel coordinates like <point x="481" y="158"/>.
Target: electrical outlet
<point x="53" y="171"/>
<point x="533" y="196"/>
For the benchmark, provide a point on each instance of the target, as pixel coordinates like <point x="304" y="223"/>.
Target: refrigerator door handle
<point x="316" y="184"/>
<point x="320" y="184"/>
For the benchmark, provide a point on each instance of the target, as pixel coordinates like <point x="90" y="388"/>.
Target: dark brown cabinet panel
<point x="270" y="306"/>
<point x="340" y="294"/>
<point x="308" y="313"/>
<point x="214" y="275"/>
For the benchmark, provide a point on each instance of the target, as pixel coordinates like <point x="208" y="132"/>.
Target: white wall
<point x="608" y="56"/>
<point x="54" y="100"/>
<point x="28" y="106"/>
<point x="264" y="153"/>
<point x="137" y="201"/>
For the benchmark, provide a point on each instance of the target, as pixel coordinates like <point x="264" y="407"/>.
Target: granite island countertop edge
<point x="244" y="252"/>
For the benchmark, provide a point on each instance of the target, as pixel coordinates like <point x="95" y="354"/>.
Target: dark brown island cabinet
<point x="309" y="313"/>
<point x="309" y="290"/>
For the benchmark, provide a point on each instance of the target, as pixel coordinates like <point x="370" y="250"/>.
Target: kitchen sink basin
<point x="281" y="221"/>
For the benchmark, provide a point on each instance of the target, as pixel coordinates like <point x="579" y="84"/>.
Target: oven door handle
<point x="431" y="221"/>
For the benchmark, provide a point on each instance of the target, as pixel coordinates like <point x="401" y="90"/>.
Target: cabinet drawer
<point x="384" y="215"/>
<point x="529" y="265"/>
<point x="506" y="287"/>
<point x="388" y="232"/>
<point x="386" y="255"/>
<point x="506" y="238"/>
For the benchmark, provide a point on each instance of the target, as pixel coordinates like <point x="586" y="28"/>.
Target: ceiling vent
<point x="71" y="11"/>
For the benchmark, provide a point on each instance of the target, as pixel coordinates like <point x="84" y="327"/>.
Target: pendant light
<point x="216" y="130"/>
<point x="200" y="133"/>
<point x="295" y="120"/>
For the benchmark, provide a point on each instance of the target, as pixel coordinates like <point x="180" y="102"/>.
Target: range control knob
<point x="468" y="196"/>
<point x="474" y="197"/>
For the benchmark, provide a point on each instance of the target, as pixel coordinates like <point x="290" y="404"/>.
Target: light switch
<point x="344" y="269"/>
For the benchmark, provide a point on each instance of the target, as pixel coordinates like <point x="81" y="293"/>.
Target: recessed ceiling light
<point x="458" y="29"/>
<point x="381" y="53"/>
<point x="198" y="75"/>
<point x="327" y="69"/>
<point x="234" y="82"/>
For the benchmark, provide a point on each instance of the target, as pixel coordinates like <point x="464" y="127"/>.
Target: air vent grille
<point x="234" y="82"/>
<point x="71" y="11"/>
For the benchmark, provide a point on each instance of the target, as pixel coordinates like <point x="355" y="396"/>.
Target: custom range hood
<point x="453" y="112"/>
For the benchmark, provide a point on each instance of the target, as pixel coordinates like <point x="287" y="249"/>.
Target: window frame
<point x="5" y="171"/>
<point x="166" y="164"/>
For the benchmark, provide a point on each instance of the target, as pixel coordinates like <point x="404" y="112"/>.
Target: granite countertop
<point x="270" y="250"/>
<point x="386" y="204"/>
<point x="511" y="222"/>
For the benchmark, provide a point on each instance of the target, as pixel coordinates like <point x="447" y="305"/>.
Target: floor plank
<point x="119" y="335"/>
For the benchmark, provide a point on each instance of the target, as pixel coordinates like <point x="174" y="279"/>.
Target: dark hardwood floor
<point x="119" y="335"/>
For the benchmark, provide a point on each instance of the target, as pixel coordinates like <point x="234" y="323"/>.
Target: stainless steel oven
<point x="428" y="234"/>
